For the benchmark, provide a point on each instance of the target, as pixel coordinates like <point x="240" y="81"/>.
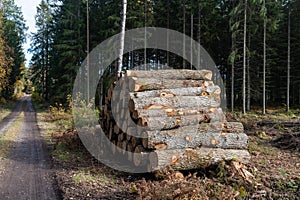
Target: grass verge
<point x="5" y="109"/>
<point x="8" y="137"/>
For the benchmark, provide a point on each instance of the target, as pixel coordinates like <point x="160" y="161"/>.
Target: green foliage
<point x="14" y="29"/>
<point x="3" y="101"/>
<point x="36" y="97"/>
<point x="40" y="48"/>
<point x="5" y="59"/>
<point x="59" y="46"/>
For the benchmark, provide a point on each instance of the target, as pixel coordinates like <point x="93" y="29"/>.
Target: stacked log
<point x="170" y="118"/>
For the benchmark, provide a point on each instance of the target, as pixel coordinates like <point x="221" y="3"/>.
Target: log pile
<point x="170" y="118"/>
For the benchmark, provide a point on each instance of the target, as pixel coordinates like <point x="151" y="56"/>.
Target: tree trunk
<point x="248" y="77"/>
<point x="168" y="27"/>
<point x="183" y="42"/>
<point x="88" y="51"/>
<point x="264" y="63"/>
<point x="191" y="48"/>
<point x="232" y="75"/>
<point x="288" y="61"/>
<point x="139" y="156"/>
<point x="244" y="58"/>
<point x="145" y="36"/>
<point x="174" y="102"/>
<point x="189" y="91"/>
<point x="122" y="36"/>
<point x="167" y="112"/>
<point x="165" y="123"/>
<point x="183" y="159"/>
<point x="199" y="33"/>
<point x="189" y="137"/>
<point x="182" y="74"/>
<point x="143" y="84"/>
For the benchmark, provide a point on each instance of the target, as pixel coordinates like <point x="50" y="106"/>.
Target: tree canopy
<point x="231" y="31"/>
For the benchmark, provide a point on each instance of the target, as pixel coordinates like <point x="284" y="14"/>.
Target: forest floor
<point x="274" y="144"/>
<point x="273" y="173"/>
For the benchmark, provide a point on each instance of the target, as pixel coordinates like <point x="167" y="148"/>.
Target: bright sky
<point x="29" y="11"/>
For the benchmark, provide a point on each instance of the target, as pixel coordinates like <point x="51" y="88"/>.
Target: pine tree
<point x="68" y="48"/>
<point x="41" y="46"/>
<point x="288" y="61"/>
<point x="5" y="59"/>
<point x="14" y="29"/>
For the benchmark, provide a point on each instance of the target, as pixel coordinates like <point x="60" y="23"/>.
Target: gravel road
<point x="28" y="173"/>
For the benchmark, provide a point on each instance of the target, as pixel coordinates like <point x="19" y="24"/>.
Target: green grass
<point x="90" y="176"/>
<point x="5" y="109"/>
<point x="275" y="114"/>
<point x="53" y="122"/>
<point x="8" y="137"/>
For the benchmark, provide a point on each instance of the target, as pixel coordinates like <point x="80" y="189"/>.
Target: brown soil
<point x="30" y="174"/>
<point x="275" y="170"/>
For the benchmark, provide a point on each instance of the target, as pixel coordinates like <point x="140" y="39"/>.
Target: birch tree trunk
<point x="122" y="36"/>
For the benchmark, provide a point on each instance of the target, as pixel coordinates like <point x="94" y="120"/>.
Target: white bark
<point x="122" y="36"/>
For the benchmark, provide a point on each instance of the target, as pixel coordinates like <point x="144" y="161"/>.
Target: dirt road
<point x="27" y="172"/>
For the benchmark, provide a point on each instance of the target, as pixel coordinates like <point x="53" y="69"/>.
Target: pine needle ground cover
<point x="274" y="170"/>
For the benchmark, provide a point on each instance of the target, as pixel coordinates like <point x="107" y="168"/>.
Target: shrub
<point x="36" y="97"/>
<point x="3" y="100"/>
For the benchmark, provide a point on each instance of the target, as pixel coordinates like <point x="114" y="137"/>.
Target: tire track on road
<point x="9" y="119"/>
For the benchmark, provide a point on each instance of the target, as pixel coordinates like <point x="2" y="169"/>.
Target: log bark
<point x="140" y="156"/>
<point x="174" y="102"/>
<point x="220" y="127"/>
<point x="188" y="91"/>
<point x="184" y="159"/>
<point x="167" y="112"/>
<point x="143" y="84"/>
<point x="136" y="141"/>
<point x="130" y="151"/>
<point x="113" y="147"/>
<point x="165" y="123"/>
<point x="172" y="74"/>
<point x="186" y="137"/>
<point x="121" y="136"/>
<point x="171" y="122"/>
